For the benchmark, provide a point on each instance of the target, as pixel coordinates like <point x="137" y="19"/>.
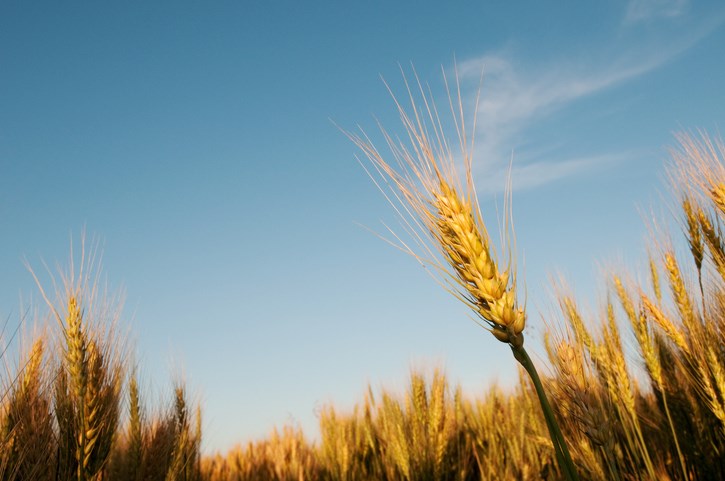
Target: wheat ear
<point x="135" y="431"/>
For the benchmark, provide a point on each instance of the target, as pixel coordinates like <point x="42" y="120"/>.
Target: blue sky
<point x="195" y="141"/>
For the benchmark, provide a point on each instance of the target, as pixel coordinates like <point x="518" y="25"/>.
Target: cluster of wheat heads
<point x="285" y="456"/>
<point x="430" y="432"/>
<point x="682" y="340"/>
<point x="63" y="414"/>
<point x="165" y="446"/>
<point x="660" y="415"/>
<point x="638" y="391"/>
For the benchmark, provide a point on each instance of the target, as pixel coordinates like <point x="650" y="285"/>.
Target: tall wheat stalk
<point x="443" y="217"/>
<point x="88" y="382"/>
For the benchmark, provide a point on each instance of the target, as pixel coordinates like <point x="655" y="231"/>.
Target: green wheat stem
<point x="562" y="452"/>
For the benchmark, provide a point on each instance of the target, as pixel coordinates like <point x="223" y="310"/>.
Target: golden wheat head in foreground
<point x="442" y="214"/>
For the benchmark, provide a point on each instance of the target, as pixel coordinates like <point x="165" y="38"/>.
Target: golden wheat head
<point x="443" y="216"/>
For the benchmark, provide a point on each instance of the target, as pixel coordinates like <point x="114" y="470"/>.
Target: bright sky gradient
<point x="195" y="140"/>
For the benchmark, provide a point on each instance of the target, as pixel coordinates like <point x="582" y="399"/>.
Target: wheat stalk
<point x="135" y="431"/>
<point x="77" y="361"/>
<point x="638" y="321"/>
<point x="694" y="236"/>
<point x="655" y="278"/>
<point x="713" y="240"/>
<point x="445" y="220"/>
<point x="586" y="407"/>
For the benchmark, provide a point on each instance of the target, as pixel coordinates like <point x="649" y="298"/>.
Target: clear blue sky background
<point x="194" y="139"/>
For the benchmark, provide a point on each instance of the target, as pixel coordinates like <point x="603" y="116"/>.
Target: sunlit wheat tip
<point x="77" y="349"/>
<point x="33" y="367"/>
<point x="694" y="235"/>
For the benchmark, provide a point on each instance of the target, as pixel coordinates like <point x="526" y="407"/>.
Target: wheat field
<point x="652" y="409"/>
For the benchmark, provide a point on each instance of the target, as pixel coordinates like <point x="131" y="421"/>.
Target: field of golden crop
<point x="652" y="411"/>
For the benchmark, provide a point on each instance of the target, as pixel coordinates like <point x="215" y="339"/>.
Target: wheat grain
<point x="655" y="278"/>
<point x="669" y="328"/>
<point x="680" y="294"/>
<point x="694" y="236"/>
<point x="638" y="322"/>
<point x="467" y="250"/>
<point x="713" y="240"/>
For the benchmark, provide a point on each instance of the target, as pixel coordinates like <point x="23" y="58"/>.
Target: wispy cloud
<point x="513" y="102"/>
<point x="544" y="172"/>
<point x="645" y="10"/>
<point x="515" y="98"/>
